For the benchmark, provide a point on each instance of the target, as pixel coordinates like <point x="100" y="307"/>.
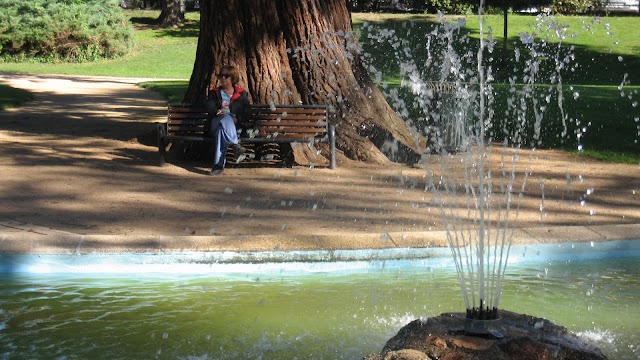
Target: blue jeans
<point x="223" y="129"/>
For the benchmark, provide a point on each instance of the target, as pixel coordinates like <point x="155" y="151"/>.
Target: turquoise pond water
<point x="211" y="306"/>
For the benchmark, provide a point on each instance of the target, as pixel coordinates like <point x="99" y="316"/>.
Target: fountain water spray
<point x="473" y="157"/>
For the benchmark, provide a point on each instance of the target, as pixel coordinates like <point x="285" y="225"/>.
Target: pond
<point x="209" y="306"/>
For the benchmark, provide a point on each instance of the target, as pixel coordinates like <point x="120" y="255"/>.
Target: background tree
<point x="172" y="13"/>
<point x="505" y="5"/>
<point x="298" y="51"/>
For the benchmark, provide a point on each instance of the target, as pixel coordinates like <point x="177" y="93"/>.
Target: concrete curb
<point x="28" y="239"/>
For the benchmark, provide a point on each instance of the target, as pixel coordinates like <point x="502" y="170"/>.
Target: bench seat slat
<point x="196" y="132"/>
<point x="300" y="112"/>
<point x="170" y="138"/>
<point x="270" y="130"/>
<point x="294" y="124"/>
<point x="280" y="110"/>
<point x="200" y="131"/>
<point x="179" y="122"/>
<point x="277" y="117"/>
<point x="188" y="116"/>
<point x="186" y="126"/>
<point x="298" y="136"/>
<point x="186" y="108"/>
<point x="281" y="140"/>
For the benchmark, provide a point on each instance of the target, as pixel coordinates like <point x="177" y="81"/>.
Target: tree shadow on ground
<point x="189" y="28"/>
<point x="110" y="112"/>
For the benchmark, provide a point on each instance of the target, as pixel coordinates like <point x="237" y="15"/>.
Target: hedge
<point x="63" y="30"/>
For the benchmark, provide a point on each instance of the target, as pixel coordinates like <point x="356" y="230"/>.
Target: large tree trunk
<point x="298" y="51"/>
<point x="172" y="13"/>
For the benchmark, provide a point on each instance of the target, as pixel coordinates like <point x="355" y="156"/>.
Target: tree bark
<point x="298" y="51"/>
<point x="172" y="13"/>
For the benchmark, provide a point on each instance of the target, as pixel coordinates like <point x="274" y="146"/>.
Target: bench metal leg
<point x="162" y="150"/>
<point x="332" y="146"/>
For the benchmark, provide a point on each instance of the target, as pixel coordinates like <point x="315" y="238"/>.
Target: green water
<point x="321" y="315"/>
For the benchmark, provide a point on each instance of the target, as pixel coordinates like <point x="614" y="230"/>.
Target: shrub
<point x="63" y="30"/>
<point x="575" y="6"/>
<point x="450" y="7"/>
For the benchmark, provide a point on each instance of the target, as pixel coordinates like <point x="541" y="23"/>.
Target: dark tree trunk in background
<point x="505" y="32"/>
<point x="297" y="51"/>
<point x="514" y="5"/>
<point x="172" y="13"/>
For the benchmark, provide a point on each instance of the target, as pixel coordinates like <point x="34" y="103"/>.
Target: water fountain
<point x="477" y="207"/>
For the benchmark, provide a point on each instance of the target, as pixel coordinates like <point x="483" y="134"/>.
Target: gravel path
<point x="80" y="160"/>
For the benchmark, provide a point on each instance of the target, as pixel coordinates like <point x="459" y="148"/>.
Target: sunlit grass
<point x="173" y="91"/>
<point x="590" y="31"/>
<point x="609" y="156"/>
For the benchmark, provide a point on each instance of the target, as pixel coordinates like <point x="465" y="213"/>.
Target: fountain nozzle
<point x="479" y="322"/>
<point x="481" y="313"/>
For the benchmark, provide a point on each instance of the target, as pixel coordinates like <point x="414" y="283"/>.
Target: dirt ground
<point x="81" y="158"/>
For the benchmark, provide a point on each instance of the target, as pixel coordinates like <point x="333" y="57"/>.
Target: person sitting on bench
<point x="228" y="105"/>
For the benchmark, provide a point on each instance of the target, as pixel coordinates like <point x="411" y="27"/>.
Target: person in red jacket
<point x="228" y="106"/>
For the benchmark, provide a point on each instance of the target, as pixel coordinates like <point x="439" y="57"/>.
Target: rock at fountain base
<point x="524" y="337"/>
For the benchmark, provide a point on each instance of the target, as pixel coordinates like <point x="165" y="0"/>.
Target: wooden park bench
<point x="278" y="124"/>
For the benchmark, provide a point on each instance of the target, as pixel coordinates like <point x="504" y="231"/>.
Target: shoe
<point x="238" y="152"/>
<point x="216" y="171"/>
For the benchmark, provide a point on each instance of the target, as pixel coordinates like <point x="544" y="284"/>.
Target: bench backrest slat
<point x="303" y="122"/>
<point x="185" y="120"/>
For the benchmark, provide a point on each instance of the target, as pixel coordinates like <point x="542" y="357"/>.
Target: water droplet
<point x="576" y="95"/>
<point x="620" y="58"/>
<point x="538" y="324"/>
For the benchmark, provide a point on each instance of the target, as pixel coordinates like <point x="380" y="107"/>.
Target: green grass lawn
<point x="605" y="50"/>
